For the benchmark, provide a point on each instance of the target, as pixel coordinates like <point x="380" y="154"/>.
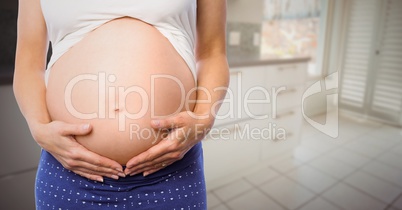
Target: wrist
<point x="36" y="128"/>
<point x="206" y="119"/>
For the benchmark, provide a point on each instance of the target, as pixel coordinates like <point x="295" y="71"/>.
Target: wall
<point x="11" y="4"/>
<point x="8" y="25"/>
<point x="245" y="11"/>
<point x="334" y="50"/>
<point x="330" y="53"/>
<point x="19" y="155"/>
<point x="244" y="18"/>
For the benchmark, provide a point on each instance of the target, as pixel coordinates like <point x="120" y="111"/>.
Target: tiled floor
<point x="360" y="170"/>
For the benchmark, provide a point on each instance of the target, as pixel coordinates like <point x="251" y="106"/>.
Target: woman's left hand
<point x="186" y="130"/>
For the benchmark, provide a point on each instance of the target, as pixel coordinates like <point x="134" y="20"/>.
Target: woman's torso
<point x="118" y="77"/>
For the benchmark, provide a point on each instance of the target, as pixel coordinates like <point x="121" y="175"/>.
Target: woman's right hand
<point x="58" y="139"/>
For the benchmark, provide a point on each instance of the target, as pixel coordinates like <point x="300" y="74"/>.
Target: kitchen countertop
<point x="247" y="60"/>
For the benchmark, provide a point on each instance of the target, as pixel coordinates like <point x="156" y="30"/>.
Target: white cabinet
<point x="286" y="74"/>
<point x="245" y="95"/>
<point x="285" y="111"/>
<point x="230" y="148"/>
<point x="285" y="129"/>
<point x="262" y="90"/>
<point x="259" y="119"/>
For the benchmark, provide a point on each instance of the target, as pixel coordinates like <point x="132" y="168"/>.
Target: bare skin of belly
<point x="118" y="78"/>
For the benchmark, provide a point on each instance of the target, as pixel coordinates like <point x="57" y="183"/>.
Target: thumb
<point x="158" y="123"/>
<point x="175" y="121"/>
<point x="75" y="129"/>
<point x="164" y="123"/>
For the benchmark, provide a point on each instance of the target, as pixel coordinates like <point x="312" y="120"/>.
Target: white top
<point x="68" y="21"/>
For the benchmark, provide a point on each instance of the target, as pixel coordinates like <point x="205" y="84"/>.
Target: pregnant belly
<point x="118" y="78"/>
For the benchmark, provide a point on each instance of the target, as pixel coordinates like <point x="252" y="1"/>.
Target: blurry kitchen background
<point x="330" y="139"/>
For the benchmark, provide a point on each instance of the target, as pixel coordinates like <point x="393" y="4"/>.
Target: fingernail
<point x="119" y="169"/>
<point x="100" y="179"/>
<point x="133" y="174"/>
<point x="122" y="174"/>
<point x="85" y="127"/>
<point x="146" y="174"/>
<point x="156" y="123"/>
<point x="115" y="177"/>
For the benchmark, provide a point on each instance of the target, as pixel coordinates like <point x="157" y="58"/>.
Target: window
<point x="291" y="29"/>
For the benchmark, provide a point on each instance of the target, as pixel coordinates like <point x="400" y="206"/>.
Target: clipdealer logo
<point x="328" y="86"/>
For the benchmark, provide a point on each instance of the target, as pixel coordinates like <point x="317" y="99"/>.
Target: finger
<point x="89" y="170"/>
<point x="148" y="172"/>
<point x="150" y="154"/>
<point x="156" y="167"/>
<point x="98" y="171"/>
<point x="80" y="171"/>
<point x="140" y="161"/>
<point x="80" y="157"/>
<point x="95" y="164"/>
<point x="160" y="162"/>
<point x="170" y="146"/>
<point x="100" y="164"/>
<point x="93" y="176"/>
<point x="73" y="129"/>
<point x="90" y="176"/>
<point x="176" y="121"/>
<point x="146" y="158"/>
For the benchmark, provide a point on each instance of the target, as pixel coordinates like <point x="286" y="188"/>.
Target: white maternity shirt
<point x="68" y="21"/>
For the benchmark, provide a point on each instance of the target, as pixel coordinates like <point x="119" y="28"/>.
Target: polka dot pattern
<point x="179" y="186"/>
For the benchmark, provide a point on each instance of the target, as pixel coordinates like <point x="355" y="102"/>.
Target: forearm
<point x="30" y="62"/>
<point x="213" y="80"/>
<point x="30" y="92"/>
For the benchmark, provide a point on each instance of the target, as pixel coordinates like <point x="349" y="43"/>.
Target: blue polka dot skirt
<point x="180" y="185"/>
